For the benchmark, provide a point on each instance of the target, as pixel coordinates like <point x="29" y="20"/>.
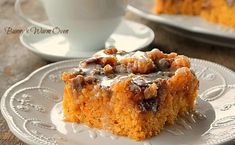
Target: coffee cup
<point x="89" y="22"/>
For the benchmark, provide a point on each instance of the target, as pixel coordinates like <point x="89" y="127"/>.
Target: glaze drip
<point x="110" y="65"/>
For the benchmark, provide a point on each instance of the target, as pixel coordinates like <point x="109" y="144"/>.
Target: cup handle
<point x="26" y="19"/>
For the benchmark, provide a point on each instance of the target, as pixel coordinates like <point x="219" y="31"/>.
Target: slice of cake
<point x="187" y="7"/>
<point x="220" y="11"/>
<point x="130" y="94"/>
<point x="217" y="11"/>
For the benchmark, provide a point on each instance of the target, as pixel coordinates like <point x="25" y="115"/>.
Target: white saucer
<point x="129" y="36"/>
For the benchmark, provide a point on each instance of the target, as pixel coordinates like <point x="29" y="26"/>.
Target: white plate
<point x="193" y="26"/>
<point x="129" y="36"/>
<point x="32" y="110"/>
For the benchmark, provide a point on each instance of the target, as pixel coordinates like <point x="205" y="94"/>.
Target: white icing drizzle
<point x="146" y="143"/>
<point x="175" y="131"/>
<point x="183" y="123"/>
<point x="142" y="56"/>
<point x="190" y="118"/>
<point x="92" y="134"/>
<point x="103" y="133"/>
<point x="78" y="128"/>
<point x="113" y="137"/>
<point x="94" y="69"/>
<point x="105" y="81"/>
<point x="193" y="117"/>
<point x="199" y="115"/>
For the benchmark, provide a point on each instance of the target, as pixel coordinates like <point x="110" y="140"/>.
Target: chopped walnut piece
<point x="180" y="61"/>
<point x="111" y="60"/>
<point x="156" y="54"/>
<point x="110" y="51"/>
<point x="108" y="69"/>
<point x="134" y="88"/>
<point x="88" y="61"/>
<point x="150" y="91"/>
<point x="100" y="60"/>
<point x="97" y="71"/>
<point x="161" y="85"/>
<point x="172" y="55"/>
<point x="164" y="64"/>
<point x="78" y="71"/>
<point x="138" y="62"/>
<point x="78" y="82"/>
<point x="90" y="80"/>
<point x="121" y="68"/>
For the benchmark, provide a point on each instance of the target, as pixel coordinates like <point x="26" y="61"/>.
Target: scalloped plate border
<point x="204" y="95"/>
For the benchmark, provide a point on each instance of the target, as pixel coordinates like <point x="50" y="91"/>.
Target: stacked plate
<point x="189" y="26"/>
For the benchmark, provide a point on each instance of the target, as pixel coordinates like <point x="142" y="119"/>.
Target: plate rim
<point x="3" y="109"/>
<point x="162" y="20"/>
<point x="15" y="131"/>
